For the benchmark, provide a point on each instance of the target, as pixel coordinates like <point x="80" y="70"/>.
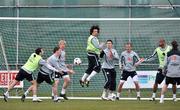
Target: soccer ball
<point x="77" y="61"/>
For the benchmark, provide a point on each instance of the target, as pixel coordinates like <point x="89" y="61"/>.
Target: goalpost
<point x="22" y="37"/>
<point x="3" y="54"/>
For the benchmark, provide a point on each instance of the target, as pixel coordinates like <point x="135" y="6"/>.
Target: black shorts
<point x="23" y="74"/>
<point x="58" y="75"/>
<point x="159" y="77"/>
<point x="173" y="81"/>
<point x="126" y="74"/>
<point x="47" y="78"/>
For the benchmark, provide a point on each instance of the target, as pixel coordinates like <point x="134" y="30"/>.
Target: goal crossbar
<point x="89" y="19"/>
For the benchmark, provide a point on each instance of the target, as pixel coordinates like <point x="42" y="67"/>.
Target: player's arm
<point x="102" y="54"/>
<point x="121" y="61"/>
<point x="115" y="55"/>
<point x="95" y="42"/>
<point x="56" y="65"/>
<point x="150" y="58"/>
<point x="137" y="59"/>
<point x="44" y="63"/>
<point x="166" y="62"/>
<point x="69" y="69"/>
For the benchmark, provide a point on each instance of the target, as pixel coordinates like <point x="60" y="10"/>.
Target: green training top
<point x="161" y="54"/>
<point x="91" y="47"/>
<point x="33" y="63"/>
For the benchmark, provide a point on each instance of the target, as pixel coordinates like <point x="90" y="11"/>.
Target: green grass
<point x="16" y="104"/>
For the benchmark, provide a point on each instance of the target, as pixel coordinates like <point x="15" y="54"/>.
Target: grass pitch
<point x="16" y="104"/>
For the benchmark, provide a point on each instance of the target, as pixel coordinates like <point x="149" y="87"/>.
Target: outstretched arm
<point x="44" y="63"/>
<point x="150" y="58"/>
<point x="139" y="60"/>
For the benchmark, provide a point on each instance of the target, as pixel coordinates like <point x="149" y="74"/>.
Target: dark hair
<point x="38" y="51"/>
<point x="129" y="43"/>
<point x="109" y="40"/>
<point x="55" y="49"/>
<point x="174" y="45"/>
<point x="94" y="27"/>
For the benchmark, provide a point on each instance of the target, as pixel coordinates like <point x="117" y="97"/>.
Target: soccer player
<point x="47" y="74"/>
<point x="26" y="71"/>
<point x="110" y="56"/>
<point x="161" y="52"/>
<point x="93" y="52"/>
<point x="128" y="62"/>
<point x="66" y="71"/>
<point x="172" y="69"/>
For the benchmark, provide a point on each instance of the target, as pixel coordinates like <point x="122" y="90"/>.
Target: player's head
<point x="62" y="44"/>
<point x="128" y="46"/>
<point x="174" y="45"/>
<point x="39" y="51"/>
<point x="94" y="30"/>
<point x="162" y="42"/>
<point x="109" y="44"/>
<point x="57" y="51"/>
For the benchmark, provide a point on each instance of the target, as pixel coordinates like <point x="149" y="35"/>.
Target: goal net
<point x="22" y="35"/>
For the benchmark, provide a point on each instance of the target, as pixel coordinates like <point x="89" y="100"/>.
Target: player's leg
<point x="88" y="71"/>
<point x="135" y="79"/>
<point x="113" y="80"/>
<point x="66" y="83"/>
<point x="55" y="89"/>
<point x="155" y="87"/>
<point x="173" y="81"/>
<point x="164" y="89"/>
<point x="19" y="77"/>
<point x="39" y="80"/>
<point x="124" y="77"/>
<point x="159" y="78"/>
<point x="14" y="82"/>
<point x="177" y="81"/>
<point x="26" y="93"/>
<point x="106" y="84"/>
<point x="104" y="95"/>
<point x="6" y="94"/>
<point x="121" y="83"/>
<point x="86" y="74"/>
<point x="136" y="82"/>
<point x="174" y="87"/>
<point x="168" y="81"/>
<point x="112" y="85"/>
<point x="33" y="87"/>
<point x="96" y="68"/>
<point x="34" y="91"/>
<point x="137" y="89"/>
<point x="51" y="81"/>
